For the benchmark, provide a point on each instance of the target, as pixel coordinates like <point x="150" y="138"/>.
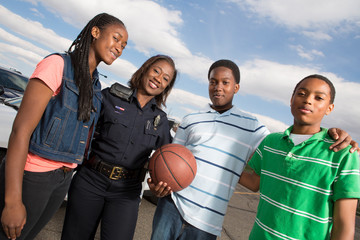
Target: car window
<point x="12" y="80"/>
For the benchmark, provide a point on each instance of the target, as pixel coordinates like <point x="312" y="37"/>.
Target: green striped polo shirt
<point x="299" y="185"/>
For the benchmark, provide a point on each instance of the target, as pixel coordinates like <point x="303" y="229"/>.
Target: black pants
<point x="93" y="198"/>
<point x="42" y="196"/>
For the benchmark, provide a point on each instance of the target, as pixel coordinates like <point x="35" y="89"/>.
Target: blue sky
<point x="275" y="43"/>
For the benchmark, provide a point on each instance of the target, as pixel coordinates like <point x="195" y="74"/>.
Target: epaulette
<point x="121" y="91"/>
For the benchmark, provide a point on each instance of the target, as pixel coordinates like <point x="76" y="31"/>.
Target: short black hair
<point x="228" y="64"/>
<point x="321" y="77"/>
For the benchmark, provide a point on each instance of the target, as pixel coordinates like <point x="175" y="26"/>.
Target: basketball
<point x="173" y="164"/>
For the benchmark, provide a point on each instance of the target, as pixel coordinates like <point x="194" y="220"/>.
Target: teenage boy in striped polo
<point x="306" y="190"/>
<point x="222" y="139"/>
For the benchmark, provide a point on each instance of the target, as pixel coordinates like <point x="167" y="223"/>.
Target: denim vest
<point x="59" y="135"/>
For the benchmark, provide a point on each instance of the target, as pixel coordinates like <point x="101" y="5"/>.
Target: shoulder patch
<point x="121" y="91"/>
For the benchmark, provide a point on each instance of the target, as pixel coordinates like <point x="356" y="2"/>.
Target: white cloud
<point x="181" y="103"/>
<point x="16" y="41"/>
<point x="31" y="53"/>
<point x="33" y="30"/>
<point x="121" y="68"/>
<point x="196" y="66"/>
<point x="19" y="52"/>
<point x="317" y="35"/>
<point x="37" y="13"/>
<point x="152" y="28"/>
<point x="151" y="32"/>
<point x="272" y="124"/>
<point x="179" y="96"/>
<point x="271" y="80"/>
<point x="347" y="92"/>
<point x="307" y="54"/>
<point x="334" y="15"/>
<point x="191" y="103"/>
<point x="34" y="2"/>
<point x="274" y="81"/>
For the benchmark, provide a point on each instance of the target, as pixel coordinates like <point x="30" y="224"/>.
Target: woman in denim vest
<point x="131" y="125"/>
<point x="54" y="126"/>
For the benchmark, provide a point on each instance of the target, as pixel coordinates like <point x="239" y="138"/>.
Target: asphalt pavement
<point x="238" y="221"/>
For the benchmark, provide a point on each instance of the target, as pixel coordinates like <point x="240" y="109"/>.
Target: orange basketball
<point x="173" y="164"/>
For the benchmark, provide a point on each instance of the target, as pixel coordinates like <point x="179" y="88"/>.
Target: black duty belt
<point x="111" y="171"/>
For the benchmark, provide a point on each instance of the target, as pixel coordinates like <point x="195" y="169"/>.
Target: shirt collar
<point x="316" y="137"/>
<point x="151" y="103"/>
<point x="227" y="113"/>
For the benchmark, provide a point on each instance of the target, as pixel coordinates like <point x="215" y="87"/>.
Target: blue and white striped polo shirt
<point x="221" y="144"/>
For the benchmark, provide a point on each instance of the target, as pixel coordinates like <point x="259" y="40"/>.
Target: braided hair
<point x="79" y="52"/>
<point x="137" y="77"/>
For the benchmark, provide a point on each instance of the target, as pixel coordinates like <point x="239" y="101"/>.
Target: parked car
<point x="12" y="87"/>
<point x="13" y="82"/>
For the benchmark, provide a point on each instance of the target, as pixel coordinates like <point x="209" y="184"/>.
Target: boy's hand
<point x="343" y="139"/>
<point x="159" y="190"/>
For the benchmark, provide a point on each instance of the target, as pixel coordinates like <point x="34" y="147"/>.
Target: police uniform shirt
<point x="127" y="133"/>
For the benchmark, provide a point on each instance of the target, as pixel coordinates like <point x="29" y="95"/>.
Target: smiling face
<point x="157" y="78"/>
<point x="309" y="104"/>
<point x="108" y="43"/>
<point x="222" y="87"/>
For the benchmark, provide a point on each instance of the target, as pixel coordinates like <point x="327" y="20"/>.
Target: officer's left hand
<point x="159" y="190"/>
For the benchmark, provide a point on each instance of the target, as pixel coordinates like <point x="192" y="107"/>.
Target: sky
<point x="275" y="43"/>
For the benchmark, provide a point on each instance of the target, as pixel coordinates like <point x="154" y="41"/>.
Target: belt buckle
<point x="116" y="173"/>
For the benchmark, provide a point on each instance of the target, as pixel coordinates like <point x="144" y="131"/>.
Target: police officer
<point x="107" y="187"/>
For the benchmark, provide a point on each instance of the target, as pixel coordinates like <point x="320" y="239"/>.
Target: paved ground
<point x="237" y="225"/>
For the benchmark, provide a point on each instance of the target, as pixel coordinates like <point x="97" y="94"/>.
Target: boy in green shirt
<point x="306" y="190"/>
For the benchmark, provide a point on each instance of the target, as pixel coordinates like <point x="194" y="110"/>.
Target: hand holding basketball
<point x="161" y="189"/>
<point x="173" y="164"/>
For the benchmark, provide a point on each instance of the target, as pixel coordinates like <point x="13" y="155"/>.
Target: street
<point x="237" y="225"/>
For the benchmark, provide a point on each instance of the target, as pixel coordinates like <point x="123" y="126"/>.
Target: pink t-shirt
<point x="50" y="71"/>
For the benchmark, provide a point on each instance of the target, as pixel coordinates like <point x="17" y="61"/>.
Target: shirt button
<point x="140" y="113"/>
<point x="290" y="155"/>
<point x="132" y="142"/>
